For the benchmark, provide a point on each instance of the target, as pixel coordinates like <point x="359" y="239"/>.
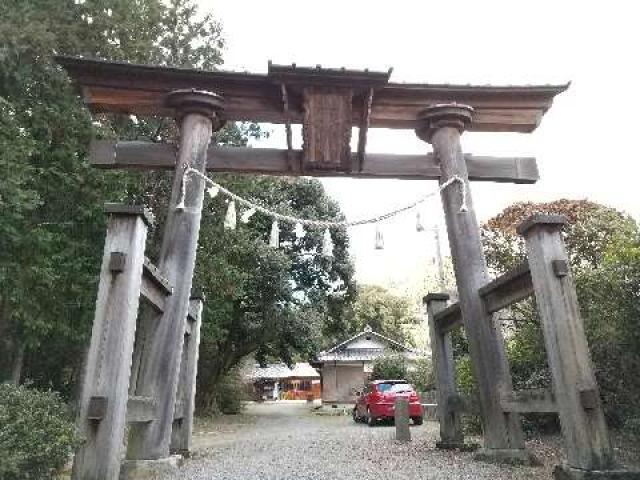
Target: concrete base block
<point x="565" y="472"/>
<point x="511" y="456"/>
<point x="463" y="447"/>
<point x="150" y="469"/>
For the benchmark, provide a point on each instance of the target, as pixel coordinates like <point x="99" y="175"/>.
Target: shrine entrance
<point x="157" y="401"/>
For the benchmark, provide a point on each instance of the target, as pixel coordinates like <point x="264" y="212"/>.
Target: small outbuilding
<point x="279" y="382"/>
<point x="346" y="367"/>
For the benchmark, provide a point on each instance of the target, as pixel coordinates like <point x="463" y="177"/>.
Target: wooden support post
<point x="442" y="125"/>
<point x="451" y="434"/>
<point x="583" y="425"/>
<point x="183" y="427"/>
<point x="103" y="403"/>
<point x="199" y="114"/>
<point x="401" y="418"/>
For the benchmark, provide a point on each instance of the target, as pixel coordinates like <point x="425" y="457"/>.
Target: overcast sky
<point x="585" y="145"/>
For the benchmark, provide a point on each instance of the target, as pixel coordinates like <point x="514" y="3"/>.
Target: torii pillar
<point x="442" y="125"/>
<point x="199" y="113"/>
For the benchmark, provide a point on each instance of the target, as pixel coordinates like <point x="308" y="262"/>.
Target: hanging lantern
<point x="379" y="238"/>
<point x="419" y="225"/>
<point x="213" y="191"/>
<point x="327" y="244"/>
<point x="247" y="214"/>
<point x="274" y="240"/>
<point x="230" y="218"/>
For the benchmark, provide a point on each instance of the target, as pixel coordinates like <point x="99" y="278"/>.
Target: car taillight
<point x="413" y="396"/>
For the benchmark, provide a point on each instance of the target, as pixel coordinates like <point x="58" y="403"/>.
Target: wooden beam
<point x="155" y="287"/>
<point x="574" y="382"/>
<point x="103" y="402"/>
<point x="507" y="289"/>
<point x="141" y="409"/>
<point x="160" y="365"/>
<point x="364" y="129"/>
<point x="139" y="155"/>
<point x="293" y="166"/>
<point x="451" y="432"/>
<point x="182" y="431"/>
<point x="141" y="90"/>
<point x="441" y="127"/>
<point x="539" y="400"/>
<point x="449" y="318"/>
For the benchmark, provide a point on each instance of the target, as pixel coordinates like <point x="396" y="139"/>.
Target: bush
<point x="421" y="376"/>
<point x="230" y="394"/>
<point x="389" y="367"/>
<point x="466" y="383"/>
<point x="37" y="434"/>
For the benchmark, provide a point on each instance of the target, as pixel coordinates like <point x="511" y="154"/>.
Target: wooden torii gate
<point x="328" y="103"/>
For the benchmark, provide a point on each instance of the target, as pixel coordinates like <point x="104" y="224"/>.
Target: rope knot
<point x="463" y="191"/>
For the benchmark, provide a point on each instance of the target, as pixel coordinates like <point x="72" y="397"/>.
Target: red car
<point x="376" y="402"/>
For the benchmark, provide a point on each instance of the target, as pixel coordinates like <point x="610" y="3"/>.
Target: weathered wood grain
<point x="502" y="431"/>
<point x="363" y="130"/>
<point x="141" y="409"/>
<point x="108" y="87"/>
<point x="451" y="432"/>
<point x="584" y="429"/>
<point x="155" y="288"/>
<point x="160" y="365"/>
<point x="109" y="359"/>
<point x="529" y="401"/>
<point x="271" y="161"/>
<point x="326" y="129"/>
<point x="507" y="289"/>
<point x="183" y="427"/>
<point x="449" y="318"/>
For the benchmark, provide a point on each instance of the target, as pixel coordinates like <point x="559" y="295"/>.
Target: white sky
<point x="585" y="146"/>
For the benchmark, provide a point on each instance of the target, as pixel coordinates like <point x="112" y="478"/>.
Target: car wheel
<point x="417" y="420"/>
<point x="371" y="420"/>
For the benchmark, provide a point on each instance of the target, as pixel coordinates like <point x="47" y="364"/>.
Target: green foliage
<point x="604" y="250"/>
<point x="466" y="385"/>
<point x="37" y="434"/>
<point x="389" y="367"/>
<point x="278" y="302"/>
<point x="229" y="395"/>
<point x="421" y="375"/>
<point x="385" y="312"/>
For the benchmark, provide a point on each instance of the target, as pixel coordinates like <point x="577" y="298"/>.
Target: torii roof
<point x="141" y="89"/>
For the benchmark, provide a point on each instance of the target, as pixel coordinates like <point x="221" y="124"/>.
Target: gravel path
<point x="285" y="441"/>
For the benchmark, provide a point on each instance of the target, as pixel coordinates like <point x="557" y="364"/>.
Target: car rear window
<point x="394" y="387"/>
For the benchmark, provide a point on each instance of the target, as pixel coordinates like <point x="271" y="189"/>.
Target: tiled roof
<point x="342" y="352"/>
<point x="360" y="354"/>
<point x="281" y="370"/>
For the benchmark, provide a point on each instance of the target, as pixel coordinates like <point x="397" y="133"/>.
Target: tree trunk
<point x="18" y="362"/>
